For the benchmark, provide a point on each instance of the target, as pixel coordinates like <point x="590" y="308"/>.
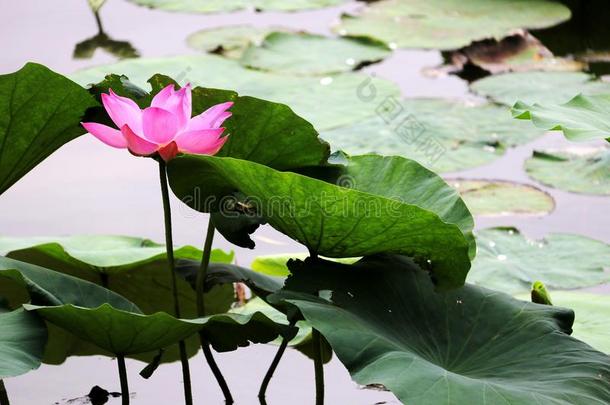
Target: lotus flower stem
<point x="318" y="365"/>
<point x="262" y="392"/>
<point x="3" y="394"/>
<point x="199" y="286"/>
<point x="169" y="245"/>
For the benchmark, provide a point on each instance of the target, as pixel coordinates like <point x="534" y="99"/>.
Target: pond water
<point x="88" y="188"/>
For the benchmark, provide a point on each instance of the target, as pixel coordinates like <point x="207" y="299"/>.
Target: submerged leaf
<point x="388" y="326"/>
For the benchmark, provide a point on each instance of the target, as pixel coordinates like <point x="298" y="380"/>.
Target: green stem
<point x="262" y="392"/>
<point x="318" y="365"/>
<point x="199" y="287"/>
<point x="123" y="377"/>
<point x="3" y="394"/>
<point x="169" y="245"/>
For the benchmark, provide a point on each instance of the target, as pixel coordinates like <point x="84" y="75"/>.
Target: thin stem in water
<point x="318" y="365"/>
<point x="3" y="394"/>
<point x="169" y="245"/>
<point x="199" y="287"/>
<point x="123" y="377"/>
<point x="262" y="392"/>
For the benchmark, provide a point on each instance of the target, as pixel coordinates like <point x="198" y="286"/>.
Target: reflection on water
<point x="88" y="188"/>
<point x="120" y="49"/>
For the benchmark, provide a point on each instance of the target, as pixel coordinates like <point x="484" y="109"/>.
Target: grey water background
<point x="88" y="188"/>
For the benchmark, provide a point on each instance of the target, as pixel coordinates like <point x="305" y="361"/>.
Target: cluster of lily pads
<point x="390" y="243"/>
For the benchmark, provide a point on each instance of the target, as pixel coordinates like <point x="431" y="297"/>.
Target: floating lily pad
<point x="508" y="261"/>
<point x="592" y="316"/>
<point x="41" y="110"/>
<point x="467" y="346"/>
<point x="496" y="197"/>
<point x="309" y="54"/>
<point x="326" y="102"/>
<point x="229" y="41"/>
<point x="336" y="221"/>
<point x="581" y="119"/>
<point x="444" y="135"/>
<point x="224" y="6"/>
<point x="538" y="87"/>
<point x="23" y="336"/>
<point x="582" y="170"/>
<point x="449" y="24"/>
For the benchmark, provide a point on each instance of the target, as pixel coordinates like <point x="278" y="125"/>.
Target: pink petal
<point x="203" y="142"/>
<point x="104" y="133"/>
<point x="169" y="151"/>
<point x="178" y="102"/>
<point x="160" y="126"/>
<point x="213" y="117"/>
<point x="137" y="145"/>
<point x="123" y="111"/>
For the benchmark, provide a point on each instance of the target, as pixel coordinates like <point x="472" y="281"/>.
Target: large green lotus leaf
<point x="467" y="346"/>
<point x="277" y="265"/>
<point x="223" y="6"/>
<point x="510" y="262"/>
<point x="114" y="324"/>
<point x="585" y="170"/>
<point x="40" y="111"/>
<point x="135" y="268"/>
<point x="22" y="339"/>
<point x="309" y="54"/>
<point x="331" y="220"/>
<point x="301" y="341"/>
<point x="592" y="316"/>
<point x="444" y="135"/>
<point x="538" y="87"/>
<point x="229" y="41"/>
<point x="449" y="24"/>
<point x="122" y="332"/>
<point x="500" y="198"/>
<point x="581" y="119"/>
<point x="326" y="102"/>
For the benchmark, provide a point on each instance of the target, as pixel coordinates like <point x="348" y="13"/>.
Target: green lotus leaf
<point x="229" y="41"/>
<point x="579" y="170"/>
<point x="499" y="197"/>
<point x="41" y="110"/>
<point x="336" y="221"/>
<point x="449" y="24"/>
<point x="223" y="6"/>
<point x="135" y="268"/>
<point x="508" y="261"/>
<point x="592" y="316"/>
<point x="309" y="54"/>
<point x="581" y="119"/>
<point x="277" y="265"/>
<point x="444" y="135"/>
<point x="546" y="88"/>
<point x="114" y="324"/>
<point x="469" y="345"/>
<point x="301" y="341"/>
<point x="22" y="339"/>
<point x="326" y="102"/>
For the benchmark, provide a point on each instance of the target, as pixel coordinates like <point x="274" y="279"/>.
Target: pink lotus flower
<point x="166" y="127"/>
